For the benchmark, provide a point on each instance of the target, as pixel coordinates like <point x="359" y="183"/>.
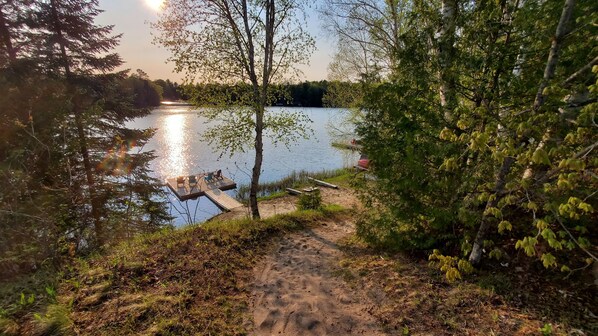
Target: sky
<point x="132" y="18"/>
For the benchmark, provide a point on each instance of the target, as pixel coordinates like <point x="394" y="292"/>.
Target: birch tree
<point x="367" y="34"/>
<point x="240" y="41"/>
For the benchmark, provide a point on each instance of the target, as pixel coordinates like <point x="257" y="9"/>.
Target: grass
<point x="194" y="280"/>
<point x="25" y="295"/>
<point x="296" y="179"/>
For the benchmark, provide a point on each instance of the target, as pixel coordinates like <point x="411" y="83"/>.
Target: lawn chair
<point x="192" y="181"/>
<point x="180" y="182"/>
<point x="209" y="177"/>
<point x="218" y="174"/>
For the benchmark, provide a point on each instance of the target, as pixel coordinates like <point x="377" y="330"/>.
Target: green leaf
<point x="540" y="157"/>
<point x="548" y="260"/>
<point x="585" y="207"/>
<point x="495" y="254"/>
<point x="493" y="211"/>
<point x="548" y="234"/>
<point x="452" y="274"/>
<point x="541" y="224"/>
<point x="532" y="206"/>
<point x="504" y="225"/>
<point x="528" y="244"/>
<point x="464" y="266"/>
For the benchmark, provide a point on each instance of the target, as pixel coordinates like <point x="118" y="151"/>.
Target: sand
<point x="296" y="290"/>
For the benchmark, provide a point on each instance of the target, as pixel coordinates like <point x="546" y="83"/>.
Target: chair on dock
<point x="180" y="182"/>
<point x="218" y="174"/>
<point x="209" y="177"/>
<point x="192" y="181"/>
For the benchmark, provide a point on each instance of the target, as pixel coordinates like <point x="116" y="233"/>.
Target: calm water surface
<point x="182" y="150"/>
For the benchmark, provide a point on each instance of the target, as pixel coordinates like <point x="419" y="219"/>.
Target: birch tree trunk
<point x="446" y="53"/>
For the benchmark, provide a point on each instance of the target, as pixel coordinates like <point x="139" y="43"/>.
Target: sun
<point x="154" y="4"/>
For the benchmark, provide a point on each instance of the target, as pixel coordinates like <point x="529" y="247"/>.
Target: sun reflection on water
<point x="173" y="160"/>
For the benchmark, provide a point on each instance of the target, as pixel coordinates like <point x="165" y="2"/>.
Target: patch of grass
<point x="272" y="196"/>
<point x="293" y="180"/>
<point x="344" y="179"/>
<point x="24" y="296"/>
<point x="56" y="321"/>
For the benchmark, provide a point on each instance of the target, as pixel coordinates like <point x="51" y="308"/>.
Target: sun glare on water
<point x="154" y="4"/>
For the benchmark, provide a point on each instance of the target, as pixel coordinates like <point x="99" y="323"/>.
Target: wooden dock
<point x="189" y="190"/>
<point x="222" y="200"/>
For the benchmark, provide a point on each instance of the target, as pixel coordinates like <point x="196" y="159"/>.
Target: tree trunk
<point x="555" y="48"/>
<point x="5" y="36"/>
<point x="478" y="243"/>
<point x="79" y="124"/>
<point x="257" y="167"/>
<point x="476" y="252"/>
<point x="260" y="97"/>
<point x="448" y="100"/>
<point x="84" y="151"/>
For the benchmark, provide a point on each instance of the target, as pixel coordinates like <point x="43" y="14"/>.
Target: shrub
<point x="310" y="201"/>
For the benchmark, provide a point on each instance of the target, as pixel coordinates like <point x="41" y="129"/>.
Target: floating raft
<point x="185" y="191"/>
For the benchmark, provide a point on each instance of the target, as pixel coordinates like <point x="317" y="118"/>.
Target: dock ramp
<point x="222" y="200"/>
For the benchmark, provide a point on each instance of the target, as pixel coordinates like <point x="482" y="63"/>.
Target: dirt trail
<point x="296" y="292"/>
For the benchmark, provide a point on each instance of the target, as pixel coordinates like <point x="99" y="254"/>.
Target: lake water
<point x="182" y="150"/>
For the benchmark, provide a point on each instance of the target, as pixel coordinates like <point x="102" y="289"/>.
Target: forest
<point x="478" y="118"/>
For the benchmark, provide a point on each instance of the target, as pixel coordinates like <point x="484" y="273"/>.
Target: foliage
<point x="310" y="201"/>
<point x="511" y="165"/>
<point x="72" y="175"/>
<point x="145" y="92"/>
<point x="170" y="91"/>
<point x="452" y="267"/>
<point x="368" y="37"/>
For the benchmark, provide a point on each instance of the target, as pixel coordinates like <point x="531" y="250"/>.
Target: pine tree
<point x="71" y="173"/>
<point x="78" y="51"/>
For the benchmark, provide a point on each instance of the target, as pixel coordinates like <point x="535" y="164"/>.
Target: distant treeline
<point x="307" y="94"/>
<point x="150" y="93"/>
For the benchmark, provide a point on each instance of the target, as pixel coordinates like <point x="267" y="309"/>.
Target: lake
<point x="182" y="150"/>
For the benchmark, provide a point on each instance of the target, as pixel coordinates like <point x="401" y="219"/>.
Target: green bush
<point x="310" y="201"/>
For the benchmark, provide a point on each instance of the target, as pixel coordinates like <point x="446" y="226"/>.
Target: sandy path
<point x="295" y="292"/>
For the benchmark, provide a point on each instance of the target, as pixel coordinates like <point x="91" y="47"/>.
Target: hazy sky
<point x="132" y="17"/>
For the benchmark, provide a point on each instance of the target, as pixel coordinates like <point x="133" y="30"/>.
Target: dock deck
<point x="184" y="191"/>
